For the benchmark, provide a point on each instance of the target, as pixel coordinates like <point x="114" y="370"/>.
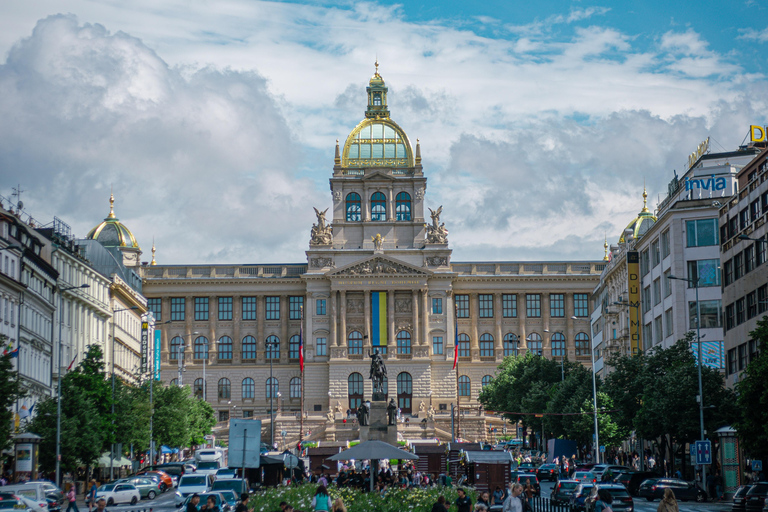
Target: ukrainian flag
<point x="379" y="319"/>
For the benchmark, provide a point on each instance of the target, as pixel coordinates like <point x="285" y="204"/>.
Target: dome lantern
<point x="112" y="233"/>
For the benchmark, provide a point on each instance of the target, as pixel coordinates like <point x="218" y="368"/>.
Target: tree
<point x="203" y="419"/>
<point x="609" y="431"/>
<point x="10" y="392"/>
<point x="568" y="398"/>
<point x="752" y="425"/>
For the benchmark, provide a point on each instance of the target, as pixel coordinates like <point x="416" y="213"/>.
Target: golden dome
<point x="642" y="223"/>
<point x="111" y="232"/>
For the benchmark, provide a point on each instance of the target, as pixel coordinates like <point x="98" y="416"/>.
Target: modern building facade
<point x="378" y="276"/>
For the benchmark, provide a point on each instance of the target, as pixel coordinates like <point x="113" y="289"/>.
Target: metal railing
<point x="542" y="504"/>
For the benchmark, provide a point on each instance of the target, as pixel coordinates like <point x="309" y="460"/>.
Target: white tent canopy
<point x="117" y="463"/>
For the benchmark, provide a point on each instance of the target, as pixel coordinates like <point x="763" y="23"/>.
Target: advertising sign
<point x="633" y="281"/>
<point x="144" y="346"/>
<point x="244" y="443"/>
<point x="157" y="354"/>
<point x="713" y="354"/>
<point x="24" y="457"/>
<point x="757" y="133"/>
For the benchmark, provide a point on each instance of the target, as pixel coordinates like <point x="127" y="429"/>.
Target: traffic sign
<point x="602" y="448"/>
<point x="703" y="452"/>
<point x="757" y="465"/>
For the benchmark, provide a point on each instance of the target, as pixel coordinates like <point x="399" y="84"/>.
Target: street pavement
<point x="163" y="503"/>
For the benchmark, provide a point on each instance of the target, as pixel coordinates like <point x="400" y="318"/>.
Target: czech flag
<point x="456" y="338"/>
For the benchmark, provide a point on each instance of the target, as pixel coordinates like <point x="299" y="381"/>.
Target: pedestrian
<point x="338" y="506"/>
<point x="463" y="502"/>
<point x="718" y="485"/>
<point x="101" y="505"/>
<point x="321" y="500"/>
<point x="529" y="490"/>
<point x="439" y="506"/>
<point x="242" y="506"/>
<point x="604" y="501"/>
<point x="484" y="500"/>
<point x="513" y="503"/>
<point x="498" y="496"/>
<point x="322" y="480"/>
<point x="91" y="498"/>
<point x="72" y="497"/>
<point x="193" y="502"/>
<point x="668" y="502"/>
<point x="210" y="505"/>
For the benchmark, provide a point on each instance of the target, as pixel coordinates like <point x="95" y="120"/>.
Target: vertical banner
<point x="144" y="347"/>
<point x="379" y="319"/>
<point x="633" y="282"/>
<point x="157" y="354"/>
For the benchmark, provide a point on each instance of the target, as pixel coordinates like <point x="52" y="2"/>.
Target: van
<point x="191" y="484"/>
<point x="39" y="492"/>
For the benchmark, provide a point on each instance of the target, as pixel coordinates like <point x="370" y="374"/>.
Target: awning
<point x="373" y="450"/>
<point x="116" y="463"/>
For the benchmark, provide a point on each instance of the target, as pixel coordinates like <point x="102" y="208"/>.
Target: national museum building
<point x="378" y="275"/>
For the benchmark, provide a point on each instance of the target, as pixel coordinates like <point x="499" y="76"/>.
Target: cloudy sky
<point x="215" y="121"/>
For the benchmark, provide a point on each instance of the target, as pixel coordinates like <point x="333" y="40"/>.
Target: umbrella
<point x="373" y="450"/>
<point x="103" y="461"/>
<point x="165" y="449"/>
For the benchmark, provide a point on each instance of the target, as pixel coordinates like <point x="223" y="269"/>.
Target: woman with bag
<point x="668" y="502"/>
<point x="72" y="498"/>
<point x="321" y="502"/>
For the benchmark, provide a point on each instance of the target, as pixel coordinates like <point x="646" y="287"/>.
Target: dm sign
<point x="144" y="346"/>
<point x="758" y="133"/>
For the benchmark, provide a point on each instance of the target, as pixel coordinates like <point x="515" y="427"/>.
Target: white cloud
<point x="751" y="34"/>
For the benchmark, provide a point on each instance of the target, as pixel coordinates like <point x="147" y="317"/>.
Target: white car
<point x="118" y="493"/>
<point x="191" y="484"/>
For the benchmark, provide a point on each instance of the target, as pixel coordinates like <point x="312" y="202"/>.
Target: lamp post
<point x="112" y="449"/>
<point x="594" y="402"/>
<point x="271" y="387"/>
<point x="58" y="390"/>
<point x="180" y="355"/>
<point x="695" y="283"/>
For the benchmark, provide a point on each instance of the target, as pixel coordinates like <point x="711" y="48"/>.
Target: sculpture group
<point x="436" y="232"/>
<point x="322" y="233"/>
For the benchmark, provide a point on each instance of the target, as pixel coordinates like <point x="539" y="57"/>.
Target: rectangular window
<point x="707" y="272"/>
<point x="738" y="266"/>
<point x="760" y="252"/>
<point x="733" y="226"/>
<point x="648" y="333"/>
<point x="728" y="272"/>
<point x="486" y="305"/>
<point x="655" y="253"/>
<point x="177" y="309"/>
<point x="749" y="259"/>
<point x="751" y="305"/>
<point x="437" y="345"/>
<point x="701" y="232"/>
<point x="742" y="356"/>
<point x="656" y="291"/>
<point x="462" y="306"/>
<point x="225" y="308"/>
<point x="646" y="298"/>
<point x="658" y="335"/>
<point x="744" y="218"/>
<point x="273" y="308"/>
<point x="710" y="314"/>
<point x="740" y="311"/>
<point x="320" y="307"/>
<point x="729" y="317"/>
<point x="509" y="305"/>
<point x="247" y="414"/>
<point x="581" y="305"/>
<point x="295" y="306"/>
<point x="668" y="323"/>
<point x="156" y="307"/>
<point x="533" y="305"/>
<point x="321" y="346"/>
<point x="645" y="262"/>
<point x="666" y="284"/>
<point x="732" y="361"/>
<point x="665" y="244"/>
<point x="249" y="308"/>
<point x="762" y="299"/>
<point x="201" y="308"/>
<point x="754" y="210"/>
<point x="557" y="305"/>
<point x="437" y="306"/>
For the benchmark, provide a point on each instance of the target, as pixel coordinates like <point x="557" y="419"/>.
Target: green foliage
<point x="9" y="393"/>
<point x="752" y="391"/>
<point x="611" y="434"/>
<point x="569" y="397"/>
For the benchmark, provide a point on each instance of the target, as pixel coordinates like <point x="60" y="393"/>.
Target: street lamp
<point x="112" y="450"/>
<point x="761" y="240"/>
<point x="180" y="355"/>
<point x="58" y="391"/>
<point x="695" y="283"/>
<point x="562" y="358"/>
<point x="271" y="353"/>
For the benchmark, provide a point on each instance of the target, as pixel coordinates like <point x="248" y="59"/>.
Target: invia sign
<point x="710" y="183"/>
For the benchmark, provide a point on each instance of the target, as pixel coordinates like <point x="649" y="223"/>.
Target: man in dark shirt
<point x="193" y="502"/>
<point x="463" y="503"/>
<point x="243" y="505"/>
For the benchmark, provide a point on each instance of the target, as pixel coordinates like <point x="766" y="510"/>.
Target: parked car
<point x="562" y="491"/>
<point x="584" y="476"/>
<point x="226" y="473"/>
<point x="174" y="470"/>
<point x="148" y="488"/>
<point x="615" y="470"/>
<point x="118" y="493"/>
<point x="526" y="467"/>
<point x="221" y="503"/>
<point x="579" y="495"/>
<point x="653" y="489"/>
<point x="548" y="472"/>
<point x="237" y="485"/>
<point x="191" y="484"/>
<point x="621" y="498"/>
<point x="165" y="479"/>
<point x="739" y="498"/>
<point x="755" y="497"/>
<point x="631" y="480"/>
<point x="42" y="493"/>
<point x="9" y="502"/>
<point x="232" y="498"/>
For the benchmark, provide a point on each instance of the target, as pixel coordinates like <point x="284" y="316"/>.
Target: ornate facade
<point x="378" y="274"/>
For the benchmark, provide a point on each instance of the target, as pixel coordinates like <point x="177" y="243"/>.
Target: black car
<point x="621" y="498"/>
<point x="653" y="489"/>
<point x="579" y="495"/>
<point x="562" y="491"/>
<point x="739" y="498"/>
<point x="548" y="472"/>
<point x="631" y="480"/>
<point x="525" y="478"/>
<point x="755" y="497"/>
<point x="526" y="467"/>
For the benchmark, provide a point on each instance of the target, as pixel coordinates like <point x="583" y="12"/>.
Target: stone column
<point x="522" y="315"/>
<point x="497" y="316"/>
<point x="367" y="342"/>
<point x="546" y="338"/>
<point x="450" y="323"/>
<point x="391" y="205"/>
<point x="474" y="314"/>
<point x="416" y="340"/>
<point x="570" y="332"/>
<point x="261" y="318"/>
<point x="332" y="319"/>
<point x="366" y="206"/>
<point x="391" y="320"/>
<point x="343" y="320"/>
<point x="237" y="316"/>
<point x="425" y="313"/>
<point x="285" y="316"/>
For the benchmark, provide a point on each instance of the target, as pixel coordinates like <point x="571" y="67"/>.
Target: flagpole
<point x="301" y="356"/>
<point x="456" y="364"/>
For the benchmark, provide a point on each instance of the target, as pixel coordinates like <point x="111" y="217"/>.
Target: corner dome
<point x="111" y="232"/>
<point x="642" y="223"/>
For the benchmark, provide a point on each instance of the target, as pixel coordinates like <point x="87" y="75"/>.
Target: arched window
<point x="249" y="388"/>
<point x="174" y="350"/>
<point x="273" y="347"/>
<point x="463" y="345"/>
<point x="353" y="207"/>
<point x="510" y="344"/>
<point x="197" y="388"/>
<point x="486" y="380"/>
<point x="378" y="207"/>
<point x="201" y="347"/>
<point x="403" y="206"/>
<point x="294" y="347"/>
<point x="249" y="347"/>
<point x="355" y="390"/>
<point x="582" y="344"/>
<point x="174" y="382"/>
<point x="273" y="387"/>
<point x="534" y="344"/>
<point x="404" y="392"/>
<point x="225" y="388"/>
<point x="558" y="345"/>
<point x="486" y="345"/>
<point x="355" y="342"/>
<point x="403" y="342"/>
<point x="225" y="348"/>
<point x="464" y="385"/>
<point x="295" y="387"/>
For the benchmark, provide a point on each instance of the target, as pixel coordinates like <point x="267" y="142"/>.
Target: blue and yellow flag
<point x="379" y="319"/>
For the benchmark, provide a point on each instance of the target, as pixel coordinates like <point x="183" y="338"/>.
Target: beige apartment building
<point x="378" y="275"/>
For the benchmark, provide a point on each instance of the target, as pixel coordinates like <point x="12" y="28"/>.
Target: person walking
<point x="321" y="501"/>
<point x="242" y="506"/>
<point x="90" y="499"/>
<point x="210" y="505"/>
<point x="72" y="498"/>
<point x="513" y="503"/>
<point x="338" y="506"/>
<point x="439" y="506"/>
<point x="604" y="501"/>
<point x="101" y="505"/>
<point x="463" y="502"/>
<point x="668" y="502"/>
<point x="193" y="502"/>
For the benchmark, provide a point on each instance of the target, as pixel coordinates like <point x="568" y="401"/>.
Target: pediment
<point x="379" y="173"/>
<point x="379" y="266"/>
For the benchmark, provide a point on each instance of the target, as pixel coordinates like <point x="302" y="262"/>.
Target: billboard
<point x="144" y="347"/>
<point x="633" y="282"/>
<point x="157" y="354"/>
<point x="712" y="355"/>
<point x="244" y="443"/>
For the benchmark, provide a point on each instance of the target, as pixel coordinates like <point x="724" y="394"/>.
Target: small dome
<point x="642" y="223"/>
<point x="111" y="232"/>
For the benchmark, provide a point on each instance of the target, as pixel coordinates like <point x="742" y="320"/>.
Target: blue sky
<point x="215" y="121"/>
